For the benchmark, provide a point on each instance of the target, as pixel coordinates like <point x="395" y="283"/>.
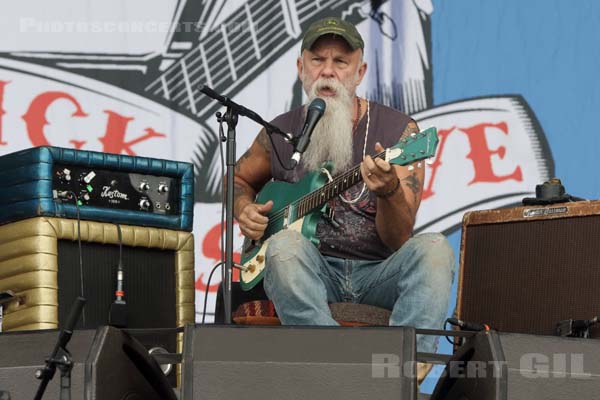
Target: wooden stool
<point x="262" y="312"/>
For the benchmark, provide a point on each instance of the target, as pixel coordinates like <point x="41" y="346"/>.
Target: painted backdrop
<point x="511" y="87"/>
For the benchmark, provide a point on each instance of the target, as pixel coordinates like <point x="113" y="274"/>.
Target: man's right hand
<point x="253" y="221"/>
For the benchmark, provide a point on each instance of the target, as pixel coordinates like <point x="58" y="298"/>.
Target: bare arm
<point x="396" y="213"/>
<point x="252" y="171"/>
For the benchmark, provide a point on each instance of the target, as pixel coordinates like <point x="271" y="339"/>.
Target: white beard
<point x="332" y="138"/>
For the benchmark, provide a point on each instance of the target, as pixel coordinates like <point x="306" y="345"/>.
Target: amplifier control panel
<point x="116" y="189"/>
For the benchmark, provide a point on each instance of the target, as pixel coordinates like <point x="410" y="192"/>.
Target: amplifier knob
<point x="65" y="175"/>
<point x="162" y="188"/>
<point x="144" y="204"/>
<point x="144" y="186"/>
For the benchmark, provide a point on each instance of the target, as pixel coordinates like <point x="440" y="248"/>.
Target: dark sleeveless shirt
<point x="356" y="237"/>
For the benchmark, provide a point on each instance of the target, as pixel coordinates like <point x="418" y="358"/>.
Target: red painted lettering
<point x="114" y="139"/>
<point x="481" y="154"/>
<point x="35" y="117"/>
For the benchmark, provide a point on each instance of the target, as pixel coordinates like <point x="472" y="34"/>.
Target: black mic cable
<point x="468" y="326"/>
<point x="69" y="195"/>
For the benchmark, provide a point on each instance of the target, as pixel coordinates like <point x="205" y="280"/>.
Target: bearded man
<point x="367" y="253"/>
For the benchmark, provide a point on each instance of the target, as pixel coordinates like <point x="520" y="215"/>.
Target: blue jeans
<point x="414" y="282"/>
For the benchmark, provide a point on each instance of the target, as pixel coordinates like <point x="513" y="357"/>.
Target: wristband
<point x="389" y="193"/>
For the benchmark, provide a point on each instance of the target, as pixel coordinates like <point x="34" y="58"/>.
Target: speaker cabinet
<point x="119" y="367"/>
<point x="287" y="362"/>
<point x="22" y="354"/>
<point x="39" y="262"/>
<point x="524" y="269"/>
<point x="511" y="366"/>
<point x="107" y="364"/>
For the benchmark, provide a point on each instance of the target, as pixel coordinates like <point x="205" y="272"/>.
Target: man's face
<point x="331" y="58"/>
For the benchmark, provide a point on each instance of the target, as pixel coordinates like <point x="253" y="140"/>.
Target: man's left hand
<point x="379" y="175"/>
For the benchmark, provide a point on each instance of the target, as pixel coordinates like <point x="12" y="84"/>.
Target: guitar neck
<point x="318" y="198"/>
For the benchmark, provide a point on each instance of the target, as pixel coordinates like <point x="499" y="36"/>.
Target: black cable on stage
<point x="444" y="328"/>
<point x="207" y="287"/>
<point x="70" y="195"/>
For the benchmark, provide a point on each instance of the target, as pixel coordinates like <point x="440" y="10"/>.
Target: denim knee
<point x="287" y="258"/>
<point x="434" y="254"/>
<point x="284" y="245"/>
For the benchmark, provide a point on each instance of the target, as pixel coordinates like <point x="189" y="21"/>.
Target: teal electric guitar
<point x="299" y="206"/>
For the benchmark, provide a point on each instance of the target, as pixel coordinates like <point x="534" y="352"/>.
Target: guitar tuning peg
<point x="419" y="165"/>
<point x="411" y="167"/>
<point x="429" y="161"/>
<point x="413" y="135"/>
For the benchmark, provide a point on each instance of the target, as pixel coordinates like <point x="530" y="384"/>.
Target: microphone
<point x="117" y="314"/>
<point x="468" y="326"/>
<point x="313" y="115"/>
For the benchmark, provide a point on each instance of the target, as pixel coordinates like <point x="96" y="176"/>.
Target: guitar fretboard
<point x="338" y="185"/>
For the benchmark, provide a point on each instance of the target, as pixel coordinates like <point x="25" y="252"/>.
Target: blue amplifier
<point x="58" y="182"/>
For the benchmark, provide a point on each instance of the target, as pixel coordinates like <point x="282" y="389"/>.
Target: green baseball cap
<point x="332" y="25"/>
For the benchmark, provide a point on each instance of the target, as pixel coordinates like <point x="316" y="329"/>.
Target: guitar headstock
<point x="416" y="147"/>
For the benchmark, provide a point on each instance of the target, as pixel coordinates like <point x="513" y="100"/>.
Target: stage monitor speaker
<point x="513" y="366"/>
<point x="525" y="269"/>
<point x="120" y="368"/>
<point x="286" y="362"/>
<point x="39" y="262"/>
<point x="23" y="353"/>
<point x="107" y="364"/>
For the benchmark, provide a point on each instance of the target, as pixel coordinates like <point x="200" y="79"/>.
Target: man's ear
<point x="362" y="70"/>
<point x="300" y="67"/>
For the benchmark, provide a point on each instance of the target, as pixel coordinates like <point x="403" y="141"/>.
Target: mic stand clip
<point x="64" y="362"/>
<point x="61" y="357"/>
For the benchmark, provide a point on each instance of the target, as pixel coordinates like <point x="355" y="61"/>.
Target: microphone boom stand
<point x="231" y="118"/>
<point x="60" y="357"/>
<point x="234" y="110"/>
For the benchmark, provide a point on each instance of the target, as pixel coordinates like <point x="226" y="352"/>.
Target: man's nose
<point x="328" y="70"/>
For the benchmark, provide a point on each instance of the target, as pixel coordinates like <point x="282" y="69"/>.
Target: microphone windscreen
<point x="318" y="104"/>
